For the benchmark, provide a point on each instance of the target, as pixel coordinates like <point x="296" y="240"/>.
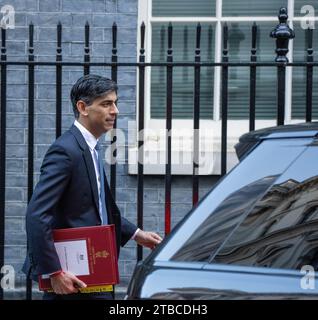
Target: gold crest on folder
<point x="101" y="254"/>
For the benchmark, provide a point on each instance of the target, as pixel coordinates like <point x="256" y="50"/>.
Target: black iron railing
<point x="282" y="33"/>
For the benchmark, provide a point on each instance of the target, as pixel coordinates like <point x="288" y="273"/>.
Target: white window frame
<point x="235" y="127"/>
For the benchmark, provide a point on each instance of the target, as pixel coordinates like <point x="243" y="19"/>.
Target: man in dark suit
<point x="73" y="192"/>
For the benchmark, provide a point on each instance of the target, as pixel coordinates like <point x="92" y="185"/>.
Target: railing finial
<point x="282" y="33"/>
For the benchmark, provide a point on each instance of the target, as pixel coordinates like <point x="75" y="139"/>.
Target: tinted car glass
<point x="198" y="236"/>
<point x="215" y="228"/>
<point x="282" y="229"/>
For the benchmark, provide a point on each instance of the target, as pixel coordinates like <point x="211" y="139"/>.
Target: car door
<point x="185" y="264"/>
<point x="207" y="226"/>
<point x="278" y="238"/>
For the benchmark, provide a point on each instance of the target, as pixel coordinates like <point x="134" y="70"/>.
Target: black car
<point x="254" y="235"/>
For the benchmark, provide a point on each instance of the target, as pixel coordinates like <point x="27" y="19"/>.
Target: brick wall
<point x="73" y="14"/>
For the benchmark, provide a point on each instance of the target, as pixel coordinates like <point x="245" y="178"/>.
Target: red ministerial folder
<point x="87" y="252"/>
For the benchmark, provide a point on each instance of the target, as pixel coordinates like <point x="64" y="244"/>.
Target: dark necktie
<point x="102" y="184"/>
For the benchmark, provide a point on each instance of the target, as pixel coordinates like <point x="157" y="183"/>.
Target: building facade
<point x="128" y="15"/>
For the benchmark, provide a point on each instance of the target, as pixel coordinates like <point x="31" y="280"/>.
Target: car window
<point x="204" y="229"/>
<point x="282" y="229"/>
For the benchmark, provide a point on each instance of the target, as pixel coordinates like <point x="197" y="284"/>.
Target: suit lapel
<point x="88" y="162"/>
<point x="91" y="174"/>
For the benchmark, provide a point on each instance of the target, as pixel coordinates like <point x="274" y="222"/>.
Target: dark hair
<point x="90" y="87"/>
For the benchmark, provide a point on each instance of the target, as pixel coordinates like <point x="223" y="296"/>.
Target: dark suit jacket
<point x="66" y="196"/>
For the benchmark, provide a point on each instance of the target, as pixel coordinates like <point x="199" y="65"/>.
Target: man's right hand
<point x="66" y="283"/>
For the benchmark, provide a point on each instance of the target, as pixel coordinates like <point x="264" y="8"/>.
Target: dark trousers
<point x="79" y="296"/>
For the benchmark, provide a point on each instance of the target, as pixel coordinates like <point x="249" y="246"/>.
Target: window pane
<point x="299" y="75"/>
<point x="281" y="231"/>
<point x="183" y="77"/>
<point x="230" y="201"/>
<point x="252" y="7"/>
<point x="300" y="3"/>
<point x="240" y="38"/>
<point x="183" y="8"/>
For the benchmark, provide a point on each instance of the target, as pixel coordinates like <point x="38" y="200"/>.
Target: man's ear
<point x="81" y="107"/>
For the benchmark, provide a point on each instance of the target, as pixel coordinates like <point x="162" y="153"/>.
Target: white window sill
<point x="210" y="164"/>
<point x="181" y="151"/>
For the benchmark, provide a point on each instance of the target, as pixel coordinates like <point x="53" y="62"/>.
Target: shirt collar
<point x="88" y="136"/>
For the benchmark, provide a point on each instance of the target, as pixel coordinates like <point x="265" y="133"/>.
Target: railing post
<point x="3" y="148"/>
<point x="196" y="119"/>
<point x="309" y="76"/>
<point x="282" y="33"/>
<point x="253" y="79"/>
<point x="168" y="133"/>
<point x="30" y="134"/>
<point x="141" y="137"/>
<point x="86" y="49"/>
<point x="225" y="60"/>
<point x="113" y="132"/>
<point x="58" y="82"/>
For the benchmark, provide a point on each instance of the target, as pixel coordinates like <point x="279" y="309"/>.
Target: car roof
<point x="249" y="140"/>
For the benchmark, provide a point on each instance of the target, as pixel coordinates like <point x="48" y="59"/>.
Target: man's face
<point x="101" y="114"/>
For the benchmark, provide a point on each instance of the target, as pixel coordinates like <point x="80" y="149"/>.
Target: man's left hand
<point x="147" y="239"/>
